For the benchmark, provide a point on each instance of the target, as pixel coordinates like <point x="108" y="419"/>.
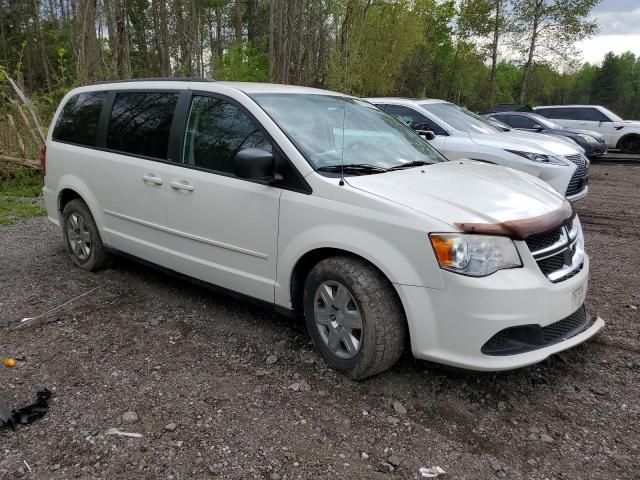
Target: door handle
<point x="181" y="186"/>
<point x="150" y="178"/>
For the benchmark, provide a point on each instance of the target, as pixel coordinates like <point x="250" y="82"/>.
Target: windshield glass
<point x="331" y="130"/>
<point x="460" y="118"/>
<point x="544" y="121"/>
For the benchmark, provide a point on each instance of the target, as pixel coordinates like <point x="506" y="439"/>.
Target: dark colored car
<point x="592" y="142"/>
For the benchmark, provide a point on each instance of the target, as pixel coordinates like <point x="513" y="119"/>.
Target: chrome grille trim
<point x="580" y="177"/>
<point x="565" y="256"/>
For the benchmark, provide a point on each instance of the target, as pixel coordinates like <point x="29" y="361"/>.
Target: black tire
<point x="630" y="144"/>
<point x="97" y="257"/>
<point x="384" y="330"/>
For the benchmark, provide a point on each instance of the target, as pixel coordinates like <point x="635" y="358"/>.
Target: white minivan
<point x="458" y="133"/>
<point x="319" y="204"/>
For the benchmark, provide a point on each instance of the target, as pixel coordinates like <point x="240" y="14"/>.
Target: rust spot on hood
<point x="523" y="228"/>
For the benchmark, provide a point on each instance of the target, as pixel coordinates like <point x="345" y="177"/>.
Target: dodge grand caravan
<point x="322" y="205"/>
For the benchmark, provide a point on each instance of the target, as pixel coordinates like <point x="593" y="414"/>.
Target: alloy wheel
<point x="338" y="319"/>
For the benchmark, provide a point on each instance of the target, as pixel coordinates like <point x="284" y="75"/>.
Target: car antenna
<point x="344" y="116"/>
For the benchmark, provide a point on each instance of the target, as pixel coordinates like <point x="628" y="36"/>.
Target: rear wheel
<point x="82" y="237"/>
<point x="630" y="144"/>
<point x="354" y="317"/>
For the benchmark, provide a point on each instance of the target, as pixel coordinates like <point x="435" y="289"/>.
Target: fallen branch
<point x="29" y="106"/>
<point x="25" y="121"/>
<point x="20" y="161"/>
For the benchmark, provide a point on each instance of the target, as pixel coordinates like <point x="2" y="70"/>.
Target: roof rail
<point x="158" y="79"/>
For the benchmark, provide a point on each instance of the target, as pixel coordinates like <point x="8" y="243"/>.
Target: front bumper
<point x="578" y="196"/>
<point x="595" y="150"/>
<point x="451" y="326"/>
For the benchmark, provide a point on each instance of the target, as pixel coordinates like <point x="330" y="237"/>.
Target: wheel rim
<point x="79" y="236"/>
<point x="338" y="319"/>
<point x="632" y="144"/>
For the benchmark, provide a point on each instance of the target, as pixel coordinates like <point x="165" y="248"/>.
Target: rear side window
<point x="78" y="121"/>
<point x="216" y="131"/>
<point x="593" y="115"/>
<point x="517" y="121"/>
<point x="140" y="123"/>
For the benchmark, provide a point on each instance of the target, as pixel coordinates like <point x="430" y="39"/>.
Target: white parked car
<point x="462" y="134"/>
<point x="619" y="133"/>
<point x="319" y="204"/>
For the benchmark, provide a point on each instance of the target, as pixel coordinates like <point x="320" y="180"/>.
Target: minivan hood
<point x="464" y="191"/>
<point x="524" y="141"/>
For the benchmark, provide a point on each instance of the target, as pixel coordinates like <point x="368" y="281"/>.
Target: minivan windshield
<point x="331" y="131"/>
<point x="460" y="118"/>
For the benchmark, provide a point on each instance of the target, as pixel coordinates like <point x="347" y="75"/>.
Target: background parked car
<point x="619" y="133"/>
<point x="592" y="142"/>
<point x="462" y="134"/>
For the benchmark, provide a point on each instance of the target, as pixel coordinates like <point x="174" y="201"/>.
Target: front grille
<point x="555" y="252"/>
<point x="552" y="264"/>
<point x="525" y="338"/>
<point x="543" y="240"/>
<point x="580" y="177"/>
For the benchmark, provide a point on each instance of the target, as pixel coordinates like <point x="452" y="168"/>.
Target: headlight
<point x="538" y="157"/>
<point x="474" y="255"/>
<point x="587" y="138"/>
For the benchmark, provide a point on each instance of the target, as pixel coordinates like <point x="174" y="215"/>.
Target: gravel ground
<point x="224" y="389"/>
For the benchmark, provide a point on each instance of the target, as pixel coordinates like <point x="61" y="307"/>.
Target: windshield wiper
<point x="414" y="163"/>
<point x="358" y="168"/>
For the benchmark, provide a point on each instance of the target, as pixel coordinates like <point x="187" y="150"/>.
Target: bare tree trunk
<point x="252" y="27"/>
<point x="524" y="84"/>
<point x="38" y="32"/>
<point x="87" y="53"/>
<point x="237" y="18"/>
<point x="272" y="39"/>
<point x="494" y="53"/>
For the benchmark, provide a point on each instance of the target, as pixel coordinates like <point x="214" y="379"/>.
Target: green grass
<point x="16" y="192"/>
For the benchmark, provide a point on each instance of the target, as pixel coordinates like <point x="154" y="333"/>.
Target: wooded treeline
<point x="433" y="48"/>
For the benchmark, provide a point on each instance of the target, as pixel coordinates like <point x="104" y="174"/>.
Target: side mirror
<point x="538" y="127"/>
<point x="256" y="164"/>
<point x="426" y="134"/>
<point x="424" y="130"/>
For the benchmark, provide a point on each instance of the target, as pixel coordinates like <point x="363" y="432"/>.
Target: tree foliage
<point x="473" y="52"/>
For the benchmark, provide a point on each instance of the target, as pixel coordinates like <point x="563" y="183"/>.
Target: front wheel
<point x="630" y="144"/>
<point x="354" y="316"/>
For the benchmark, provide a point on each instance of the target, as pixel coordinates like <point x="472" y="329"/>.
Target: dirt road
<point x="223" y="389"/>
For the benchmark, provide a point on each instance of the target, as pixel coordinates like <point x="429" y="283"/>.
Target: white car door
<point x="594" y="119"/>
<point x="224" y="229"/>
<point x="131" y="173"/>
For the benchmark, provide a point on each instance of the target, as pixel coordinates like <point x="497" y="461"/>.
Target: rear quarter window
<point x="78" y="121"/>
<point x="140" y="123"/>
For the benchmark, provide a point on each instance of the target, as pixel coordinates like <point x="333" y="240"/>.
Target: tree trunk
<point x="237" y="17"/>
<point x="524" y="85"/>
<point x="252" y="27"/>
<point x="87" y="52"/>
<point x="494" y="53"/>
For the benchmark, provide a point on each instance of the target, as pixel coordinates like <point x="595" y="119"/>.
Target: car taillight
<point x="43" y="160"/>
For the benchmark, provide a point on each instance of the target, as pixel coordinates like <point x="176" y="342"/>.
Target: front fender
<point x="398" y="246"/>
